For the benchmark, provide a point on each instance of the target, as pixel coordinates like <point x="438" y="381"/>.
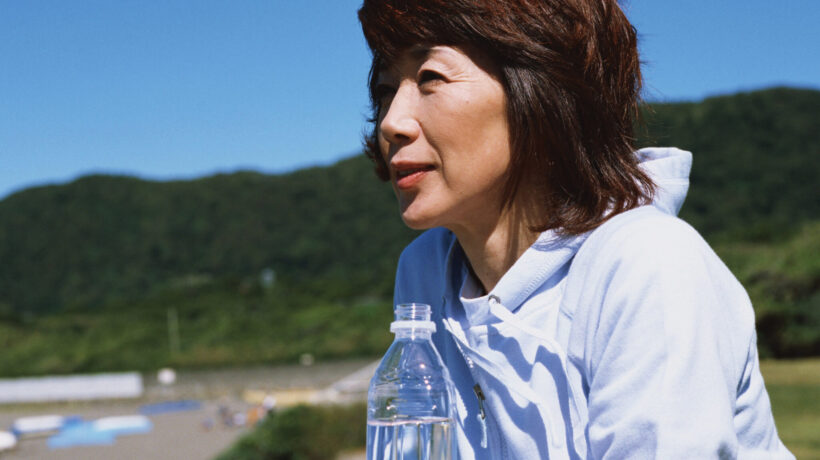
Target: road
<point x="191" y="435"/>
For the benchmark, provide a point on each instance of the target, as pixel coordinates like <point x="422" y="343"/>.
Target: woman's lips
<point x="408" y="177"/>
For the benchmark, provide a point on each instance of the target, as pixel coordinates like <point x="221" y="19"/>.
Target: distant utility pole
<point x="173" y="330"/>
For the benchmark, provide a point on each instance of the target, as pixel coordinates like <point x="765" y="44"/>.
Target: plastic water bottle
<point x="410" y="408"/>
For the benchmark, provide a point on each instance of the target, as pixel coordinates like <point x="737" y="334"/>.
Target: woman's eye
<point x="430" y="76"/>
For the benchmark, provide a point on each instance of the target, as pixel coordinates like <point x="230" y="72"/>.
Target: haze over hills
<point x="332" y="235"/>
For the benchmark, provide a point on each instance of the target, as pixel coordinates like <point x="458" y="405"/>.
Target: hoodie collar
<point x="535" y="267"/>
<point x="532" y="271"/>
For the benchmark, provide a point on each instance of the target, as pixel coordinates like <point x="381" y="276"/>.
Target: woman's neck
<point x="494" y="246"/>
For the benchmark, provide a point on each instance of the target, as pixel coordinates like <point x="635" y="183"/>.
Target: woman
<point x="577" y="316"/>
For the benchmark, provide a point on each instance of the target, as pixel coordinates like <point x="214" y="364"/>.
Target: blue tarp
<point x="84" y="433"/>
<point x="170" y="406"/>
<point x="80" y="434"/>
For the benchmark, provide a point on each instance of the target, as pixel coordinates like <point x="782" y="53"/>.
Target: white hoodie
<point x="631" y="341"/>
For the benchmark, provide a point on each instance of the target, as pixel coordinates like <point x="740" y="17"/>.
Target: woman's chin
<point x="417" y="221"/>
<point x="416" y="224"/>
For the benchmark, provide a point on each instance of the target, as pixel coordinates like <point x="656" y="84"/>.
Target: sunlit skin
<point x="443" y="133"/>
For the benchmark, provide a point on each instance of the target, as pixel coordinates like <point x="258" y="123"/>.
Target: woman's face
<point x="443" y="134"/>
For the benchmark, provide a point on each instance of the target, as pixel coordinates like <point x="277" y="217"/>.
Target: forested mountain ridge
<point x="102" y="238"/>
<point x="756" y="160"/>
<point x="332" y="235"/>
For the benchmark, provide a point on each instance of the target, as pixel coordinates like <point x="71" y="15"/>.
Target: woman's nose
<point x="400" y="125"/>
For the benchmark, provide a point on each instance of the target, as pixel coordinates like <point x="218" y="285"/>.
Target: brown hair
<point x="571" y="74"/>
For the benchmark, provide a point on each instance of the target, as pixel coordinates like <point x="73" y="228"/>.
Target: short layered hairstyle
<point x="571" y="75"/>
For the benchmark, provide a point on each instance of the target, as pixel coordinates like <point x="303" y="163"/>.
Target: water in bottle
<point x="409" y="404"/>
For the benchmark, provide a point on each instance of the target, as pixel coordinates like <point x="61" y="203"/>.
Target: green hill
<point x="756" y="160"/>
<point x="101" y="262"/>
<point x="105" y="238"/>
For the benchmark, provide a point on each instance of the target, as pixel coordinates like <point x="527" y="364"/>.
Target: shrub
<point x="303" y="433"/>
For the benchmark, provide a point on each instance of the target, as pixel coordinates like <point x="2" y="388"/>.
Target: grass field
<point x="794" y="389"/>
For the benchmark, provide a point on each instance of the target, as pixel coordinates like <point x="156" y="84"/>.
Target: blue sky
<point x="187" y="88"/>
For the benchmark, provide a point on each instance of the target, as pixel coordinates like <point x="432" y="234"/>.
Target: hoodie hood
<point x="547" y="258"/>
<point x="669" y="168"/>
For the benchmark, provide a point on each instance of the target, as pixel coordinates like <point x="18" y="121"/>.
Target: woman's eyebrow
<point x="419" y="51"/>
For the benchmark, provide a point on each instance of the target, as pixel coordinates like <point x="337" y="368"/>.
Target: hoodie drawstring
<point x="473" y="357"/>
